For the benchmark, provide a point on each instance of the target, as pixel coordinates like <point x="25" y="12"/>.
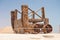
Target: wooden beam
<point x="35" y="20"/>
<point x="43" y="13"/>
<point x="24" y="16"/>
<point x="12" y="19"/>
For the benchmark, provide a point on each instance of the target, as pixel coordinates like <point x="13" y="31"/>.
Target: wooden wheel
<point x="47" y="28"/>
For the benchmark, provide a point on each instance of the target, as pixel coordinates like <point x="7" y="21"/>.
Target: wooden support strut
<point x="35" y="20"/>
<point x="34" y="12"/>
<point x="14" y="19"/>
<point x="24" y="16"/>
<point x="43" y="13"/>
<point x="15" y="22"/>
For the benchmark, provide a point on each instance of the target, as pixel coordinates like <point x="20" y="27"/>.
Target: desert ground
<point x="7" y="33"/>
<point x="7" y="29"/>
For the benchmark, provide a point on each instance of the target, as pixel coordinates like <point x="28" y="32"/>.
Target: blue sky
<point x="52" y="10"/>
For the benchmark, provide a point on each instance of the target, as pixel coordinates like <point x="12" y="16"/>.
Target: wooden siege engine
<point x="29" y="25"/>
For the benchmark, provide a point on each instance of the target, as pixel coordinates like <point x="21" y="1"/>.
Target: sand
<point x="7" y="33"/>
<point x="7" y="29"/>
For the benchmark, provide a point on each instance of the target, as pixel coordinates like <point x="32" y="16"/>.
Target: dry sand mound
<point x="7" y="29"/>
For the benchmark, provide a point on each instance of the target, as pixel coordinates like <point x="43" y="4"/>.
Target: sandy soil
<point x="7" y="33"/>
<point x="7" y="29"/>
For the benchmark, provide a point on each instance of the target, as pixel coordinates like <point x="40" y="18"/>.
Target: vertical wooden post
<point x="15" y="22"/>
<point x="43" y="14"/>
<point x="46" y="21"/>
<point x="33" y="15"/>
<point x="12" y="19"/>
<point x="24" y="15"/>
